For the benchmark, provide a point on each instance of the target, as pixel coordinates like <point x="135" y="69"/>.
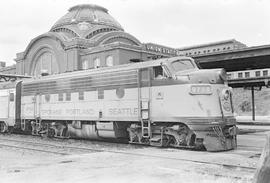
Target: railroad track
<point x="32" y="149"/>
<point x="38" y="146"/>
<point x="69" y="150"/>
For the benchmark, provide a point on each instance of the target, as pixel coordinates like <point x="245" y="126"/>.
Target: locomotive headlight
<point x="225" y="100"/>
<point x="222" y="74"/>
<point x="226" y="94"/>
<point x="200" y="90"/>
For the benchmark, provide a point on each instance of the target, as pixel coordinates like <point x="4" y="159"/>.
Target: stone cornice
<point x="78" y="43"/>
<point x="111" y="46"/>
<point x="116" y="34"/>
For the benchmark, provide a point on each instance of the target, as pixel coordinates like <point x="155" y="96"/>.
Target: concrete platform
<point x="259" y="120"/>
<point x="134" y="164"/>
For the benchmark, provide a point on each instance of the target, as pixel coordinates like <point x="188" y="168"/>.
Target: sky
<point x="173" y="23"/>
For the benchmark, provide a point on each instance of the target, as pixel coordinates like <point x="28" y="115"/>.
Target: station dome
<point x="81" y="19"/>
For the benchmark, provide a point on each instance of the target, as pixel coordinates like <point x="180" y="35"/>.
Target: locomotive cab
<point x="199" y="99"/>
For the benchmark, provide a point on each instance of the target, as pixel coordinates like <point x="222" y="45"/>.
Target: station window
<point x="240" y="75"/>
<point x="81" y="95"/>
<point x="214" y="50"/>
<point x="85" y="64"/>
<point x="68" y="96"/>
<point x="11" y="97"/>
<point x="109" y="61"/>
<point x="95" y="18"/>
<point x="47" y="97"/>
<point x="258" y="73"/>
<point x="228" y="48"/>
<point x="204" y="51"/>
<point x="46" y="63"/>
<point x="97" y="62"/>
<point x="199" y="52"/>
<point x="195" y="52"/>
<point x="265" y="73"/>
<point x="218" y="49"/>
<point x="247" y="75"/>
<point x="208" y="51"/>
<point x="100" y="94"/>
<point x="60" y="97"/>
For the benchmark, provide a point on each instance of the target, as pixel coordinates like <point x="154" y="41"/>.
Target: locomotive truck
<point x="168" y="102"/>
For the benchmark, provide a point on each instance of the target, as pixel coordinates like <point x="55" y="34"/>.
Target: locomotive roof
<point x="123" y="67"/>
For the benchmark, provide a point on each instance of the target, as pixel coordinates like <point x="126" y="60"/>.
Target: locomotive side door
<point x="11" y="105"/>
<point x="4" y="104"/>
<point x="37" y="102"/>
<point x="144" y="96"/>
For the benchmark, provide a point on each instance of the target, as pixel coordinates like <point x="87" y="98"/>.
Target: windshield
<point x="181" y="65"/>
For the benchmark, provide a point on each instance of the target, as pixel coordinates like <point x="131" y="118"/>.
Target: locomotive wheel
<point x="3" y="127"/>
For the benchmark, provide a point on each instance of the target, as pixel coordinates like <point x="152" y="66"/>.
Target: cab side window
<point x="159" y="73"/>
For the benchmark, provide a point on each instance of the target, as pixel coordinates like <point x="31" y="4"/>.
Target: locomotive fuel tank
<point x="97" y="130"/>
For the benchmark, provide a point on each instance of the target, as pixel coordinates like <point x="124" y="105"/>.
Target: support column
<point x="253" y="103"/>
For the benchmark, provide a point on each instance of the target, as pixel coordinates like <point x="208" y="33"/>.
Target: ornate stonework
<point x="84" y="34"/>
<point x="81" y="19"/>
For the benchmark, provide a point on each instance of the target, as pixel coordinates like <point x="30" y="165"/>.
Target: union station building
<point x="86" y="37"/>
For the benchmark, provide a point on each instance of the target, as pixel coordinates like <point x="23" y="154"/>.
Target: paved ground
<point x="258" y="119"/>
<point x="127" y="163"/>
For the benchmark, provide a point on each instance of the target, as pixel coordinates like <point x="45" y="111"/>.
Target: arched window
<point x="97" y="62"/>
<point x="85" y="64"/>
<point x="46" y="63"/>
<point x="109" y="61"/>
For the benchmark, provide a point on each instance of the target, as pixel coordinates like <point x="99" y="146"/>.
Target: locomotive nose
<point x="213" y="76"/>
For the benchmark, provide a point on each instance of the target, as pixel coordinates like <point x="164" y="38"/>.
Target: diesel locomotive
<point x="168" y="102"/>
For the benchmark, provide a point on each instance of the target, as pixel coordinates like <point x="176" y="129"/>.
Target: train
<point x="254" y="73"/>
<point x="168" y="102"/>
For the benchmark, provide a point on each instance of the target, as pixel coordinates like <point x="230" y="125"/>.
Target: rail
<point x="5" y="140"/>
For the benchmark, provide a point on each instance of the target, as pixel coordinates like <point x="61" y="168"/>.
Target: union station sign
<point x="161" y="49"/>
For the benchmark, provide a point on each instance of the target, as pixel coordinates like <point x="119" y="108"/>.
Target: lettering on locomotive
<point x="123" y="111"/>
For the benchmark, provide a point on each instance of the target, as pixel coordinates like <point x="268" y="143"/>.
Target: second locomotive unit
<point x="166" y="102"/>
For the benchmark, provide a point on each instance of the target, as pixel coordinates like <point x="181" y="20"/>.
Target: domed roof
<point x="86" y="16"/>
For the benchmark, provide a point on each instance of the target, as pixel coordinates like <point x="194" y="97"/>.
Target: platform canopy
<point x="256" y="57"/>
